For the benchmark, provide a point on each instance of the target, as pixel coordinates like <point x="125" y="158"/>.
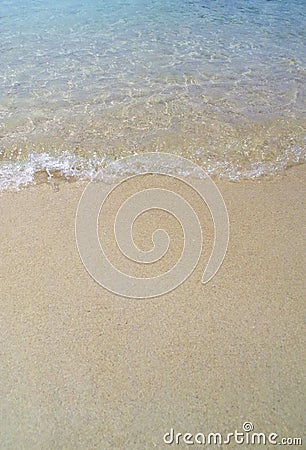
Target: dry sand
<point x="84" y="369"/>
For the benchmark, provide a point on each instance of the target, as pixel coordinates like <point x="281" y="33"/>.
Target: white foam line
<point x="18" y="174"/>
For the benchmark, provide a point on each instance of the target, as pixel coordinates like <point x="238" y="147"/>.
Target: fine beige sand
<point x="84" y="369"/>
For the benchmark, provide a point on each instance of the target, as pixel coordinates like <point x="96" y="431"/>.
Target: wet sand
<point x="82" y="368"/>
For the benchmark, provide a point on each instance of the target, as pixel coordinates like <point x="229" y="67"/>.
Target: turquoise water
<point x="221" y="82"/>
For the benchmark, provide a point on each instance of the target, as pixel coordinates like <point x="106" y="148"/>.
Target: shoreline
<point x="70" y="167"/>
<point x="83" y="368"/>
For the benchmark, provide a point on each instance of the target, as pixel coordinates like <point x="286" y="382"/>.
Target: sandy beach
<point x="82" y="368"/>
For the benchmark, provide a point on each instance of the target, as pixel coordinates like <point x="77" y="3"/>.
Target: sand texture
<point x="82" y="368"/>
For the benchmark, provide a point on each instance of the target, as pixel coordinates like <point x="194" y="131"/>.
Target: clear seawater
<point x="82" y="82"/>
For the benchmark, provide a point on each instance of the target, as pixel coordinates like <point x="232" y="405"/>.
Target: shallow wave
<point x="41" y="167"/>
